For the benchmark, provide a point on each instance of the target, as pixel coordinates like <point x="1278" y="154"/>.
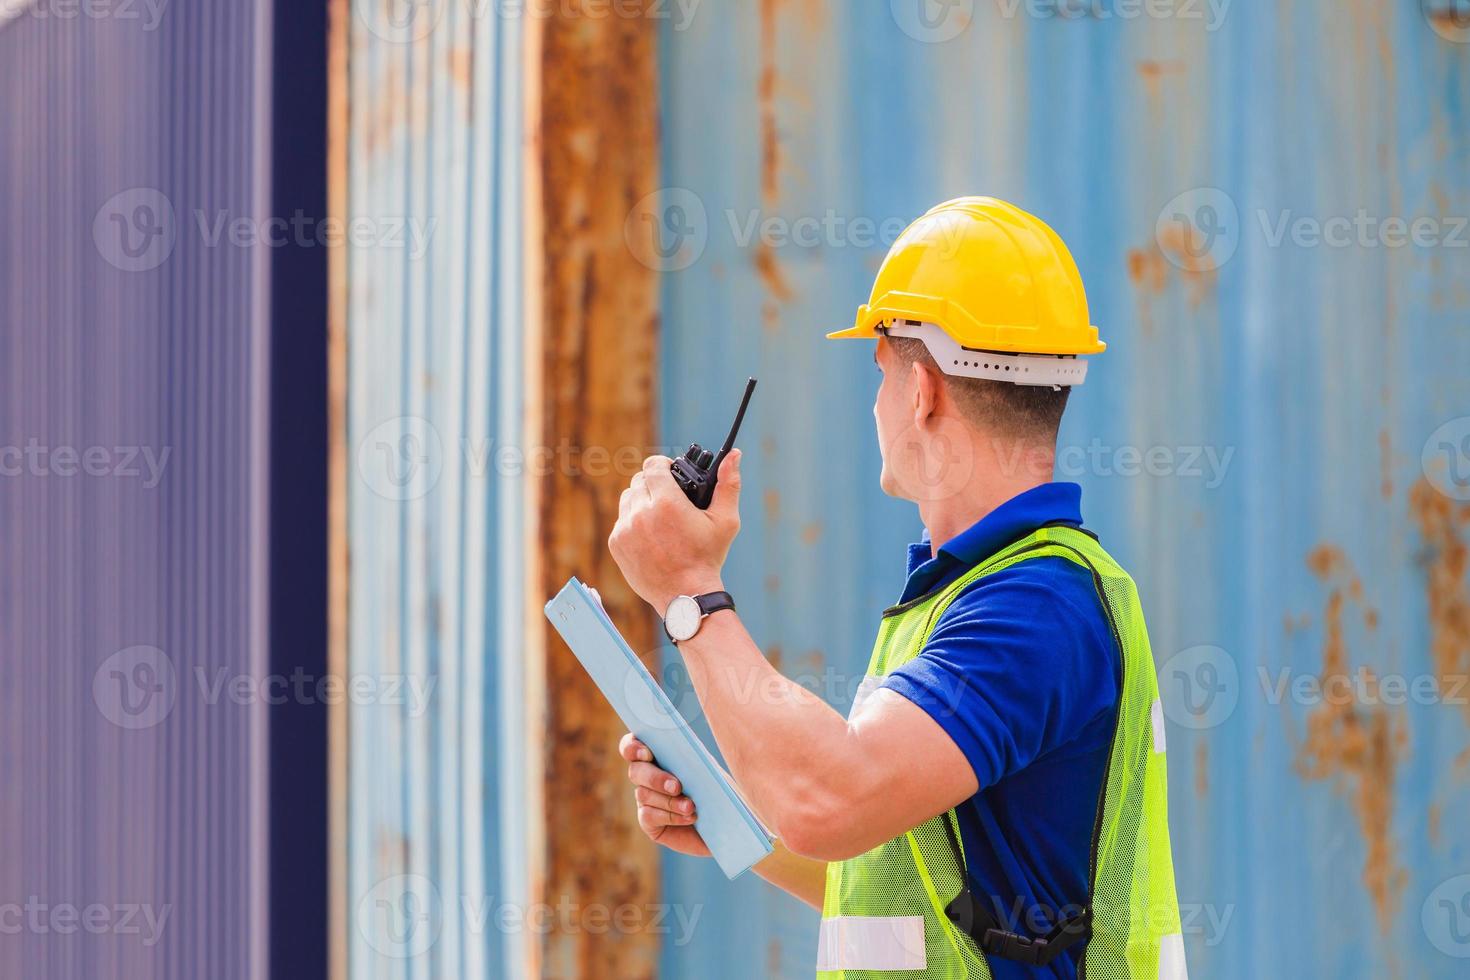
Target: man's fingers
<point x="639" y="485"/>
<point x="681" y="805"/>
<point x="726" y="503"/>
<point x="633" y="750"/>
<point x="653" y="820"/>
<point x="647" y="775"/>
<point x="660" y="479"/>
<point x="625" y="502"/>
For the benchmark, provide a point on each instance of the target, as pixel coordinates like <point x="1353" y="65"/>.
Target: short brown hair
<point x="1031" y="411"/>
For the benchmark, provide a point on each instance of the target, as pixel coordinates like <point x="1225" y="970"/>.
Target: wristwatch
<point x="686" y="613"/>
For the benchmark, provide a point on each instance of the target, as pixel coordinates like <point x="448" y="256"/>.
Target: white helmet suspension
<point x="1054" y="370"/>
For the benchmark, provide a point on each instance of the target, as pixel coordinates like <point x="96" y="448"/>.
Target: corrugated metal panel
<point x="1310" y="840"/>
<point x="435" y="780"/>
<point x="134" y="491"/>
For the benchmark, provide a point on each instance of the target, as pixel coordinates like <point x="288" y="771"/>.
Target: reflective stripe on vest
<point x="884" y="911"/>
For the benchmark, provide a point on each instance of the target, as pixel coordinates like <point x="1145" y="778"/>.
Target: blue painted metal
<point x="435" y="389"/>
<point x="1320" y="370"/>
<point x="134" y="362"/>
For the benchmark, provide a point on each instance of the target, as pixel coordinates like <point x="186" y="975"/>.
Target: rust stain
<point x="773" y="958"/>
<point x="1201" y="768"/>
<point x="772" y="501"/>
<point x="1188" y="248"/>
<point x="1442" y="525"/>
<point x="1154" y="74"/>
<point x="1432" y="823"/>
<point x="812" y="533"/>
<point x="598" y="156"/>
<point x="773" y="584"/>
<point x="766" y="265"/>
<point x="462" y="68"/>
<point x="1385" y="464"/>
<point x="1357" y="746"/>
<point x="1147" y="270"/>
<point x="385" y="112"/>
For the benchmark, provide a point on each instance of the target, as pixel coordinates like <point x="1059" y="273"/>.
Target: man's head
<point x="938" y="432"/>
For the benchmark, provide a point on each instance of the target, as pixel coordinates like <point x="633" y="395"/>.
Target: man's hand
<point x="665" y="816"/>
<point x="664" y="545"/>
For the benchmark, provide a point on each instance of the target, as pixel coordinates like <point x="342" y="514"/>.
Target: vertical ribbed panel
<point x="435" y="373"/>
<point x="1315" y="374"/>
<point x="130" y="589"/>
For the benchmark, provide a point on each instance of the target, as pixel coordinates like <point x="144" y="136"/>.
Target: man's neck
<point x="947" y="519"/>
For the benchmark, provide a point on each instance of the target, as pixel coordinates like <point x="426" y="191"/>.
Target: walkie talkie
<point x="698" y="470"/>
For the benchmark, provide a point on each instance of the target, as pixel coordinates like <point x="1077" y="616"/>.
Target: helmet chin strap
<point x="1049" y="370"/>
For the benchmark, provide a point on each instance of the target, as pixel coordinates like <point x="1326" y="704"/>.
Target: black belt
<point x="974" y="918"/>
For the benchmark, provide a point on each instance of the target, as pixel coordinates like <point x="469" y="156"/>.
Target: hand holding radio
<point x="698" y="470"/>
<point x="666" y="548"/>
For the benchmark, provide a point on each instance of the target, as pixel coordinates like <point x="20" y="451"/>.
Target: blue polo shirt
<point x="1023" y="674"/>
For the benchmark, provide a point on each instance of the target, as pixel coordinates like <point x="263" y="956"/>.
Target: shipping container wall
<point x="1267" y="203"/>
<point x="432" y="561"/>
<point x="133" y="489"/>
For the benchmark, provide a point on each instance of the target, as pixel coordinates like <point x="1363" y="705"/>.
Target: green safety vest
<point x="905" y="910"/>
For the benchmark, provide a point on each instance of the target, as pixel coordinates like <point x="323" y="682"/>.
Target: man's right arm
<point x="668" y="818"/>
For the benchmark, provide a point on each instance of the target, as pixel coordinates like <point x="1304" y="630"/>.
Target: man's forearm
<point x="802" y="877"/>
<point x="789" y="751"/>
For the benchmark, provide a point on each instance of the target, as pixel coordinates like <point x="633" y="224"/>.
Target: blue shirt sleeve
<point x="1019" y="665"/>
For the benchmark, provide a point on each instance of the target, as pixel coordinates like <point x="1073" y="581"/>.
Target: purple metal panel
<point x="132" y="491"/>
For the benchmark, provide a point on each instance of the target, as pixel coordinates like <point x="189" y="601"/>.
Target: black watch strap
<point x="713" y="602"/>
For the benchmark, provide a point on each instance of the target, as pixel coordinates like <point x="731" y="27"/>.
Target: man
<point x="994" y="804"/>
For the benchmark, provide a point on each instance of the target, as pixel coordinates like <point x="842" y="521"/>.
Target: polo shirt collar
<point x="1048" y="503"/>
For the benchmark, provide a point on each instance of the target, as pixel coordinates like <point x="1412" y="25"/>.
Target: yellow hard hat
<point x="992" y="278"/>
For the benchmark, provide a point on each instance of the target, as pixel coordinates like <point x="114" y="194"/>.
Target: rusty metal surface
<point x="598" y="157"/>
<point x="1272" y="443"/>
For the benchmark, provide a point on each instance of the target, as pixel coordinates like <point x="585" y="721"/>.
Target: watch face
<point x="682" y="618"/>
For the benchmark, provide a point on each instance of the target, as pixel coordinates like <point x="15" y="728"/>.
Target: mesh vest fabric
<point x="879" y="897"/>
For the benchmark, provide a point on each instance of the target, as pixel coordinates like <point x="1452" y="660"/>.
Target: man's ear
<point x="926" y="391"/>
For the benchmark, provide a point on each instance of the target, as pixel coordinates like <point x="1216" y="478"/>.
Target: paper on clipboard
<point x="729" y="827"/>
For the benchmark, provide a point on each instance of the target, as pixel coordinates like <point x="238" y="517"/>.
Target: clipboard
<point x="732" y="831"/>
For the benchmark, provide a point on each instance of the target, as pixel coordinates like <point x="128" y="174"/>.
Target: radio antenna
<point x="734" y="429"/>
